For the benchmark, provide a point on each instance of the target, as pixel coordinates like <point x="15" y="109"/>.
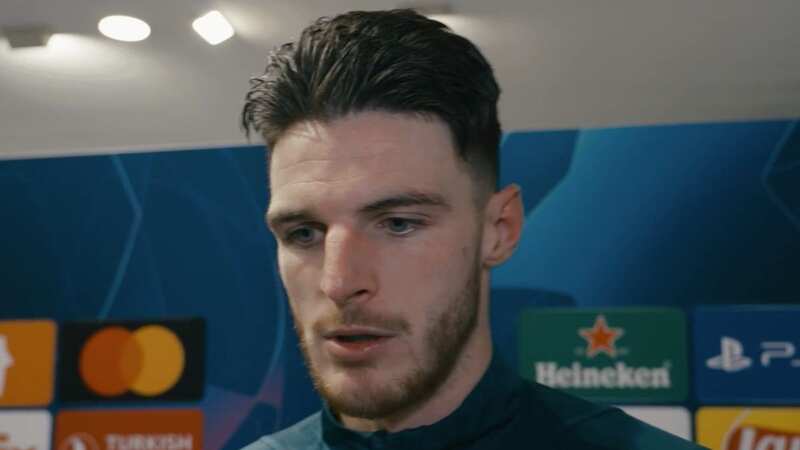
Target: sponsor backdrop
<point x="154" y="316"/>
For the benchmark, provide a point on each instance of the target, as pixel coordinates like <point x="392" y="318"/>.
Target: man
<point x="383" y="136"/>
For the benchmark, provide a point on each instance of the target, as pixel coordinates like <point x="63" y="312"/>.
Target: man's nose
<point x="347" y="273"/>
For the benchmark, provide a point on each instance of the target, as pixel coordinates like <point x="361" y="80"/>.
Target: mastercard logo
<point x="147" y="361"/>
<point x="125" y="361"/>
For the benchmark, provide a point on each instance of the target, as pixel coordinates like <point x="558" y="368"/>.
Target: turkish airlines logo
<point x="145" y="429"/>
<point x="732" y="358"/>
<point x="79" y="441"/>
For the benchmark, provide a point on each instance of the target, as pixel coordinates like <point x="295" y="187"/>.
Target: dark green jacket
<point x="503" y="412"/>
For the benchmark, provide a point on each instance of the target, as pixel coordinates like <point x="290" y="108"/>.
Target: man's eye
<point x="400" y="226"/>
<point x="302" y="236"/>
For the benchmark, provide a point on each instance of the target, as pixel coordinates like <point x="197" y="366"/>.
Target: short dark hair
<point x="396" y="61"/>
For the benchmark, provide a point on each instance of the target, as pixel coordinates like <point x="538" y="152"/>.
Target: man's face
<point x="378" y="246"/>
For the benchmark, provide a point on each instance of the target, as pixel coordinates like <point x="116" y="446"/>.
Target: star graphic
<point x="601" y="338"/>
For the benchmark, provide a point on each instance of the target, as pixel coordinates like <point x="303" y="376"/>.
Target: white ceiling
<point x="561" y="63"/>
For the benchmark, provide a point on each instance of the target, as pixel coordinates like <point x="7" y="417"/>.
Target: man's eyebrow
<point x="277" y="219"/>
<point x="405" y="199"/>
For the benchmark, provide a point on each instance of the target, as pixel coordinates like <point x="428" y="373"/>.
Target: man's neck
<point x="468" y="371"/>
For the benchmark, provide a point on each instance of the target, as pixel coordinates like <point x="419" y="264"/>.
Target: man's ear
<point x="504" y="216"/>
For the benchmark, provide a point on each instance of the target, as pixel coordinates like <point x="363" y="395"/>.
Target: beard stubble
<point x="446" y="336"/>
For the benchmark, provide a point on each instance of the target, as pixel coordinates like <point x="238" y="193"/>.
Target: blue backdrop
<point x="657" y="215"/>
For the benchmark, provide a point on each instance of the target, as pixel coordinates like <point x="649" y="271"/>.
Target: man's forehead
<point x="375" y="130"/>
<point x="367" y="143"/>
<point x="352" y="189"/>
<point x="356" y="158"/>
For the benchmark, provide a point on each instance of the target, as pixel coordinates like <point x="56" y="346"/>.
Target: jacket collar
<point x="492" y="403"/>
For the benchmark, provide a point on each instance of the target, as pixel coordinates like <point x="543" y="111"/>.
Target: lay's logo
<point x="759" y="438"/>
<point x="728" y="428"/>
<point x="161" y="360"/>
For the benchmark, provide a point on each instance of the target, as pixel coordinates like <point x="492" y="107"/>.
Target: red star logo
<point x="601" y="338"/>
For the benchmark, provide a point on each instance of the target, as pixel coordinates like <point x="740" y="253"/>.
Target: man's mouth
<point x="355" y="343"/>
<point x="356" y="333"/>
<point x="357" y="338"/>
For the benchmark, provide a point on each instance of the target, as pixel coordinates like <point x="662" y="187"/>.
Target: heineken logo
<point x="613" y="355"/>
<point x="618" y="376"/>
<point x="601" y="338"/>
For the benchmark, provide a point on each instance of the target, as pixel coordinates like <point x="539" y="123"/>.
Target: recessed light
<point x="124" y="28"/>
<point x="213" y="27"/>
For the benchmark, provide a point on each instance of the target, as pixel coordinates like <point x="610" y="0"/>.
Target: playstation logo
<point x="731" y="357"/>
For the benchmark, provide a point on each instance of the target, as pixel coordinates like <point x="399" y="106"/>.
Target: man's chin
<point x="362" y="392"/>
<point x="352" y="382"/>
<point x="365" y="404"/>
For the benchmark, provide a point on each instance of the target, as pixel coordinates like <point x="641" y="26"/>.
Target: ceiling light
<point x="213" y="27"/>
<point x="27" y="36"/>
<point x="124" y="28"/>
